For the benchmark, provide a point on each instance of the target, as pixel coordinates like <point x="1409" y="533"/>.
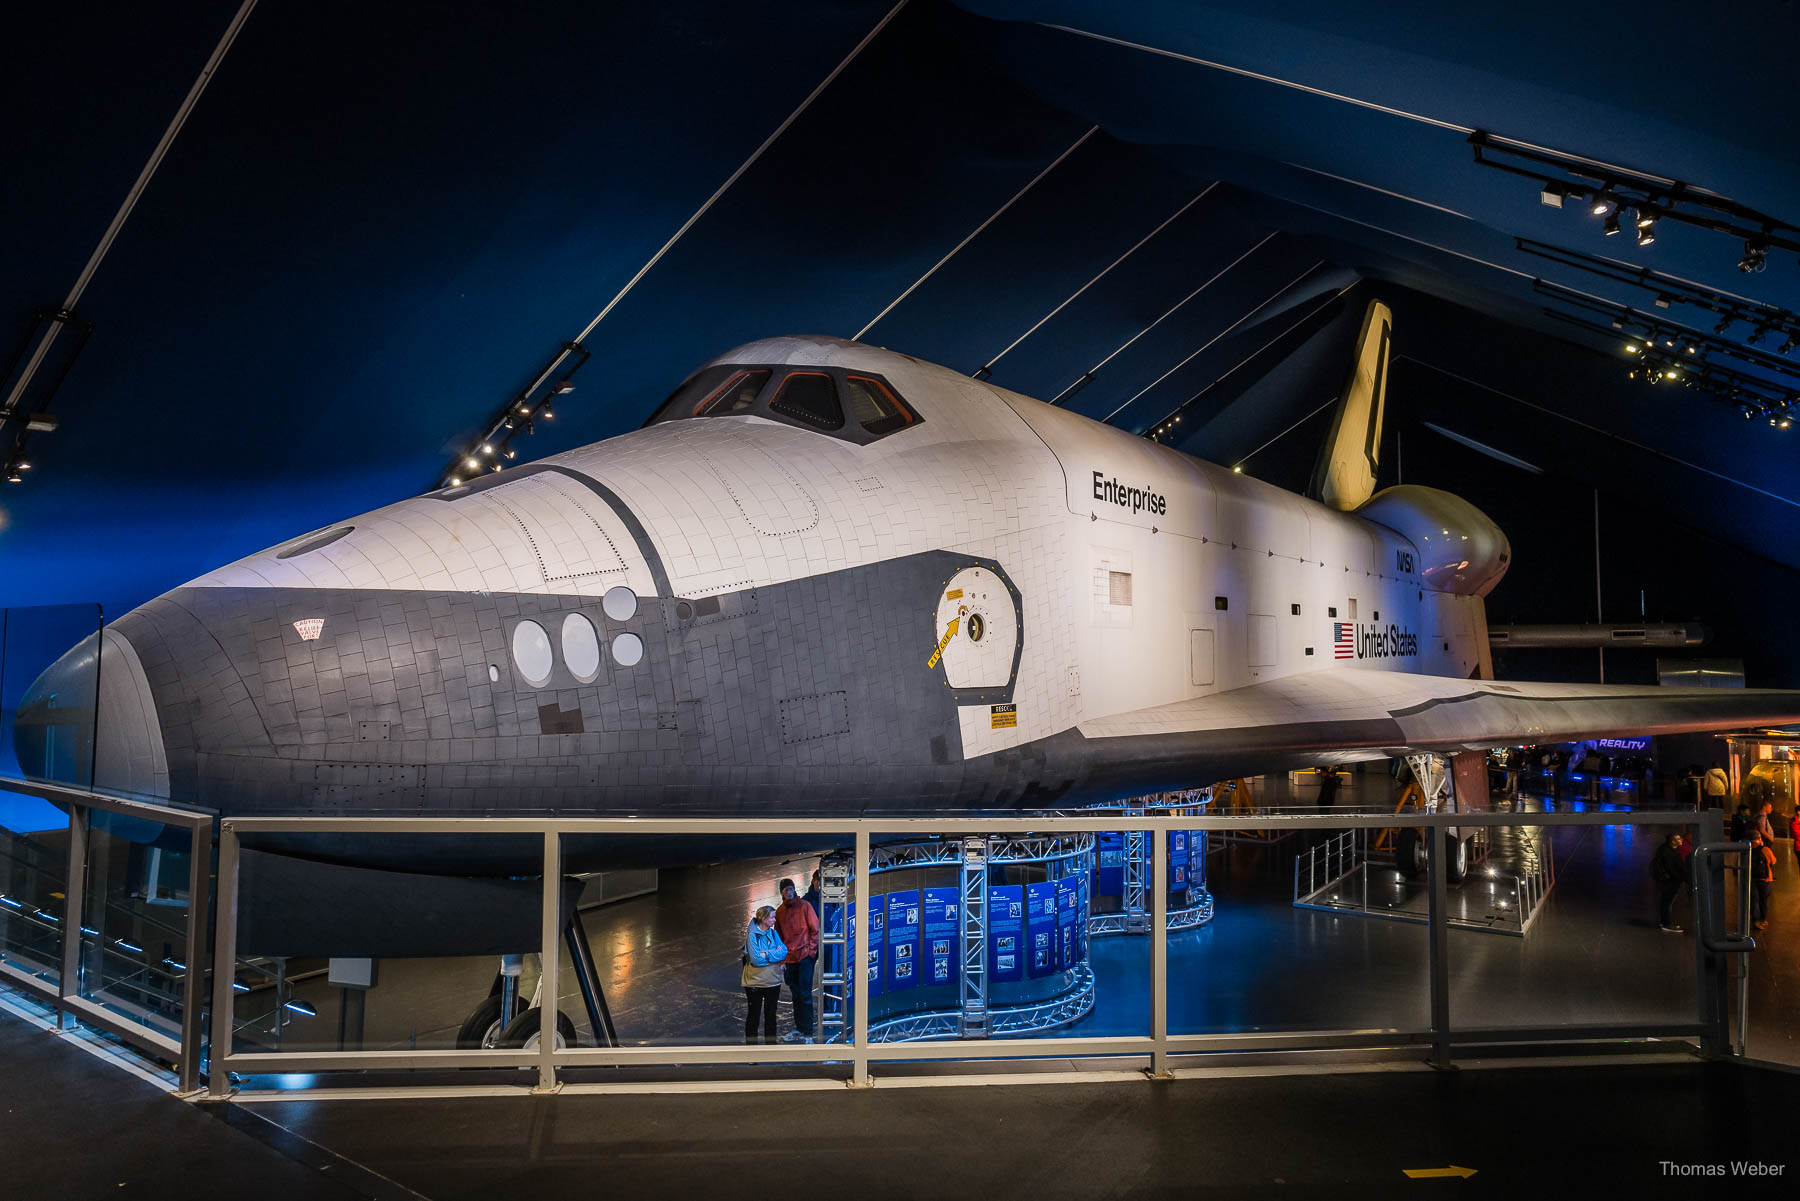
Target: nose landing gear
<point x="498" y="1022"/>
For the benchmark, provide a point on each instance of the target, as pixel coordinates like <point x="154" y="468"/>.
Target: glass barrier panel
<point x="34" y="856"/>
<point x="1564" y="926"/>
<point x="134" y="953"/>
<point x="1299" y="939"/>
<point x="49" y="683"/>
<point x="383" y="942"/>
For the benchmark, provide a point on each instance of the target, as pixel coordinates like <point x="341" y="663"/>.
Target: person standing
<point x="1668" y="870"/>
<point x="1762" y="880"/>
<point x="799" y="927"/>
<point x="764" y="953"/>
<point x="1716" y="785"/>
<point x="1762" y="825"/>
<point x="812" y="893"/>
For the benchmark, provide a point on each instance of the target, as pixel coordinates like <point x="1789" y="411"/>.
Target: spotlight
<point x="1723" y="325"/>
<point x="1785" y="348"/>
<point x="1663" y="302"/>
<point x="473" y="464"/>
<point x="1632" y="348"/>
<point x="1553" y="195"/>
<point x="511" y="453"/>
<point x="1784" y="423"/>
<point x="454" y="481"/>
<point x="22" y="464"/>
<point x="487" y="448"/>
<point x="1757" y="335"/>
<point x="547" y="414"/>
<point x="1691" y="348"/>
<point x="1612" y="225"/>
<point x="1756" y="255"/>
<point x="1671" y="373"/>
<point x="1238" y="470"/>
<point x="1669" y="341"/>
<point x="13" y="476"/>
<point x="1646" y="216"/>
<point x="1646" y="235"/>
<point x="562" y="389"/>
<point x="1604" y="205"/>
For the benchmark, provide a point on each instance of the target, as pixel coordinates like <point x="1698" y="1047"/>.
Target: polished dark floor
<point x="74" y="1128"/>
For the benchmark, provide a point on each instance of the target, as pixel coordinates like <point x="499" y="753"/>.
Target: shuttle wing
<point x="1346" y="714"/>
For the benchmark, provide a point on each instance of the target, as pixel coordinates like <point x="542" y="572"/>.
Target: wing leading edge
<point x="1349" y="714"/>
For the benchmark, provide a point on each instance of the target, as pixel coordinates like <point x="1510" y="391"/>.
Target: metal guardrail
<point x="1159" y="1046"/>
<point x="65" y="995"/>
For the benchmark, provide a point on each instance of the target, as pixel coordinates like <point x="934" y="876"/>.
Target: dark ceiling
<point x="382" y="219"/>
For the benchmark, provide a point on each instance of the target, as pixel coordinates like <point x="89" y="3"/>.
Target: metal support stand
<point x="587" y="978"/>
<point x="1438" y="947"/>
<point x="834" y="956"/>
<point x="1136" y="919"/>
<point x="548" y="962"/>
<point x="975" y="938"/>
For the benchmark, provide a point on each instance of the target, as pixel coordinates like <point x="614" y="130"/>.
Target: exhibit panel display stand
<point x="967" y="953"/>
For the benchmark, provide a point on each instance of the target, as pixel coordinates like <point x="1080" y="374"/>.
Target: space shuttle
<point x="827" y="579"/>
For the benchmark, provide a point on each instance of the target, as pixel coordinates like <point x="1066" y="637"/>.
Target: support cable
<point x="738" y="174"/>
<point x="977" y="232"/>
<point x="1088" y="375"/>
<point x="1073" y="296"/>
<point x="130" y="202"/>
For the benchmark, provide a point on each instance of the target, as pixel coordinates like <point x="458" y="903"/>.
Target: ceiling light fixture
<point x="1612" y="225"/>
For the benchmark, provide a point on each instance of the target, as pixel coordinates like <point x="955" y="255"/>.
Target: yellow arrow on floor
<point x="1435" y="1173"/>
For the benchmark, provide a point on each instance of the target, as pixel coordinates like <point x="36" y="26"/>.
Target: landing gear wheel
<point x="1409" y="853"/>
<point x="525" y="1029"/>
<point x="1456" y="855"/>
<point x="481" y="1029"/>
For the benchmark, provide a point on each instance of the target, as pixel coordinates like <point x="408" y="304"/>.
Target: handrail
<point x="1730" y="944"/>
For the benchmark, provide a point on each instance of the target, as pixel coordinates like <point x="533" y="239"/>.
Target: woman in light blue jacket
<point x="763" y="955"/>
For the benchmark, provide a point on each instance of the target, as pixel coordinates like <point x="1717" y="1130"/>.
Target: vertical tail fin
<point x="1345" y="475"/>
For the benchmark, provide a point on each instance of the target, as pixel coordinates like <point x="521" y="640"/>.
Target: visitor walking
<point x="1762" y="880"/>
<point x="1668" y="870"/>
<point x="1717" y="786"/>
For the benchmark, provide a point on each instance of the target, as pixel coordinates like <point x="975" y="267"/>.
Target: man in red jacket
<point x="799" y="927"/>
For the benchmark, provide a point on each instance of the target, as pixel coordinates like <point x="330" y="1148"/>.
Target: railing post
<point x="1438" y="943"/>
<point x="193" y="987"/>
<point x="74" y="896"/>
<point x="1159" y="960"/>
<point x="859" y="971"/>
<point x="548" y="1009"/>
<point x="224" y="964"/>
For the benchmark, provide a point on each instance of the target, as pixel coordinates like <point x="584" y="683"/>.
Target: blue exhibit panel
<point x="877" y="942"/>
<point x="903" y="940"/>
<point x="942" y="905"/>
<point x="1040" y="927"/>
<point x="1178" y="860"/>
<point x="1085" y="907"/>
<point x="1109" y="865"/>
<point x="1068" y="896"/>
<point x="1006" y="932"/>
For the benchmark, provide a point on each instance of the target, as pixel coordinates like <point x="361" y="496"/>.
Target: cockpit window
<point x="814" y="398"/>
<point x="874" y="406"/>
<point x="811" y="397"/>
<point x="694" y="390"/>
<point x="735" y="395"/>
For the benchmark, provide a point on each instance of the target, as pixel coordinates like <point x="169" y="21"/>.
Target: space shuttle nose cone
<point x="89" y="721"/>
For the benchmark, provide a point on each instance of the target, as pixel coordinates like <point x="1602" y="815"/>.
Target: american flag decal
<point x="1343" y="640"/>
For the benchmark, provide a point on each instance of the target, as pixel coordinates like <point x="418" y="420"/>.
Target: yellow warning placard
<point x="1003" y="717"/>
<point x="953" y="594"/>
